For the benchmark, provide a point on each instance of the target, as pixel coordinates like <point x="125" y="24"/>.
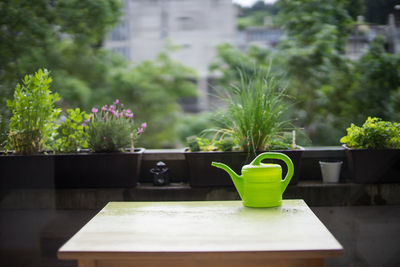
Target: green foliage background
<point x="330" y="90"/>
<point x="66" y="37"/>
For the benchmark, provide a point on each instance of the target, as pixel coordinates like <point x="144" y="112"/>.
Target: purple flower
<point x="84" y="125"/>
<point x="122" y="105"/>
<point x="112" y="107"/>
<point x="94" y="110"/>
<point x="140" y="130"/>
<point x="90" y="117"/>
<point x="144" y="125"/>
<point x="129" y="115"/>
<point x="104" y="108"/>
<point x="116" y="102"/>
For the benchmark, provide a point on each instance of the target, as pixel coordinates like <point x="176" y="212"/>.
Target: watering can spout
<point x="237" y="179"/>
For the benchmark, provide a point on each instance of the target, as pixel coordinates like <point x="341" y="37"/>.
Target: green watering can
<point x="261" y="185"/>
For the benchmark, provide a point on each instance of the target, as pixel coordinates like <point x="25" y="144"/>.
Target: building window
<point x="186" y="23"/>
<point x="120" y="32"/>
<point x="123" y="51"/>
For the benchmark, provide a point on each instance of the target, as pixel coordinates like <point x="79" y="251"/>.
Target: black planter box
<point x="202" y="174"/>
<point x="374" y="165"/>
<point x="21" y="171"/>
<point x="91" y="170"/>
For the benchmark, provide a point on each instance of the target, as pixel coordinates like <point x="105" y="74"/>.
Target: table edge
<point x="231" y="255"/>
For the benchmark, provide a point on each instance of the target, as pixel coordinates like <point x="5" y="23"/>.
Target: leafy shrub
<point x="71" y="135"/>
<point x="112" y="128"/>
<point x="375" y="133"/>
<point x="33" y="114"/>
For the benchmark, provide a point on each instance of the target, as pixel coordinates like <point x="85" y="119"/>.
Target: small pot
<point x="330" y="171"/>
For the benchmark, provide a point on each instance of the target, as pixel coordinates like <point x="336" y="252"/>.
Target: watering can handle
<point x="275" y="155"/>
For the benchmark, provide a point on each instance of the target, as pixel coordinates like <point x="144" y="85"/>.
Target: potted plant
<point x="112" y="161"/>
<point x="253" y="122"/>
<point x="373" y="151"/>
<point x="31" y="130"/>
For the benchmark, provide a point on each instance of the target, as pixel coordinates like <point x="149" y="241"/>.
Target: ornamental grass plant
<point x="113" y="129"/>
<point x="254" y="112"/>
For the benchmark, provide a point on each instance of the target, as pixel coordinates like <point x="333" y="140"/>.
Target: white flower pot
<point x="330" y="171"/>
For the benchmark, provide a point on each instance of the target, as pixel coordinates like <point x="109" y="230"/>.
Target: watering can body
<point x="261" y="185"/>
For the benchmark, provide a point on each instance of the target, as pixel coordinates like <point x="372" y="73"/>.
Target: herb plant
<point x="112" y="128"/>
<point x="204" y="144"/>
<point x="193" y="143"/>
<point x="71" y="135"/>
<point x="374" y="133"/>
<point x="33" y="114"/>
<point x="254" y="111"/>
<point x="225" y="144"/>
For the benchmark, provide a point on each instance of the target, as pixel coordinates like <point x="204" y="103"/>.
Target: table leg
<point x="86" y="263"/>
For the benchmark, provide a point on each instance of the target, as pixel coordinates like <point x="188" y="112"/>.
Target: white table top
<point x="206" y="226"/>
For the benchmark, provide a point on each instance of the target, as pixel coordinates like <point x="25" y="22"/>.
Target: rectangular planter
<point x="374" y="165"/>
<point x="91" y="170"/>
<point x="202" y="174"/>
<point x="20" y="171"/>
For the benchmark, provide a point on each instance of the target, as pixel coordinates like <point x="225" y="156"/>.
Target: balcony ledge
<point x="314" y="193"/>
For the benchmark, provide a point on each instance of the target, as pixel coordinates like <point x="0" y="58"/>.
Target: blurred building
<point x="268" y="36"/>
<point x="262" y="36"/>
<point x="197" y="26"/>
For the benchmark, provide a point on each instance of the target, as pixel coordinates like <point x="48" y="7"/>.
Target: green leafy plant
<point x="3" y="131"/>
<point x="225" y="144"/>
<point x="71" y="135"/>
<point x="374" y="133"/>
<point x="254" y="111"/>
<point x="204" y="144"/>
<point x="193" y="143"/>
<point x="200" y="144"/>
<point x="112" y="128"/>
<point x="33" y="114"/>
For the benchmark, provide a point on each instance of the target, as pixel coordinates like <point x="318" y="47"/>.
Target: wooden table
<point x="207" y="233"/>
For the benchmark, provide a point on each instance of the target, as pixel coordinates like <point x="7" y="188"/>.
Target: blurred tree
<point x="255" y="15"/>
<point x="355" y="8"/>
<point x="314" y="57"/>
<point x="65" y="37"/>
<point x="377" y="88"/>
<point x="43" y="33"/>
<point x="331" y="90"/>
<point x="229" y="60"/>
<point x="153" y="89"/>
